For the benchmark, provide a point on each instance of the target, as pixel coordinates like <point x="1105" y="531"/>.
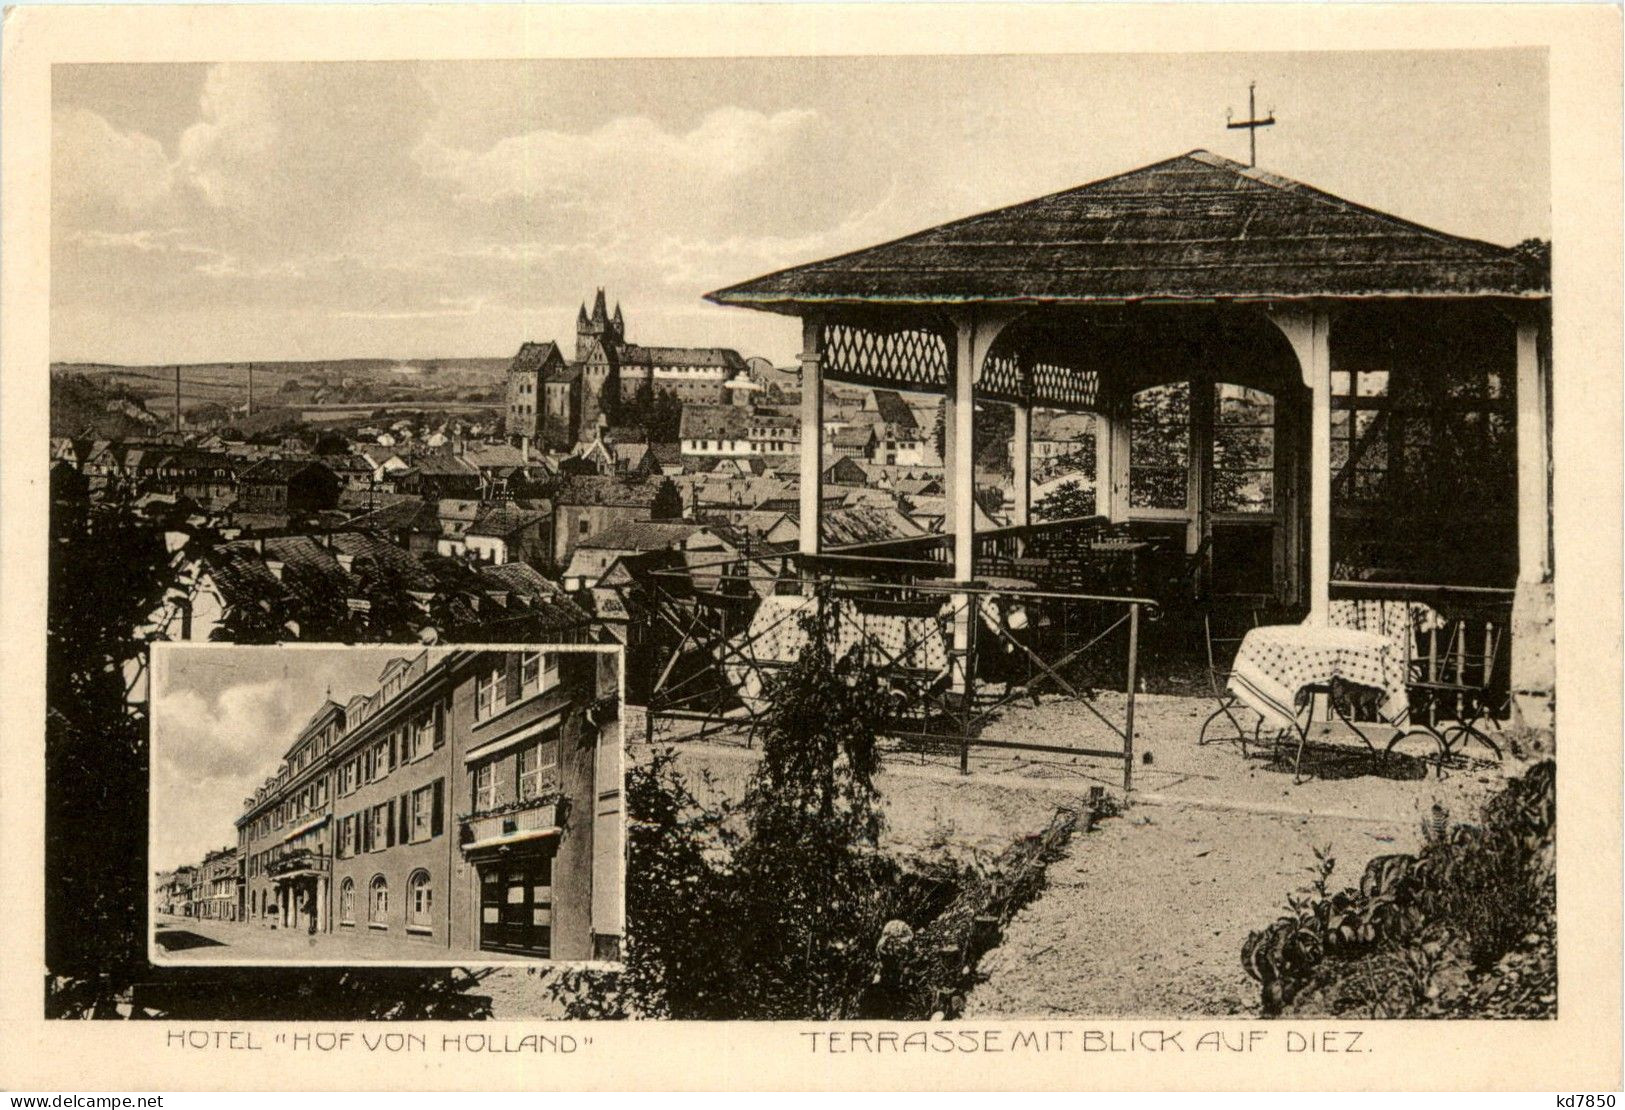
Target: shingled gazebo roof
<point x="1194" y="227"/>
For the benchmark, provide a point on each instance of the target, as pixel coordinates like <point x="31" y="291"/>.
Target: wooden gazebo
<point x="1402" y="372"/>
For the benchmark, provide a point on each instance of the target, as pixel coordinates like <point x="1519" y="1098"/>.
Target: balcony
<point x="513" y="823"/>
<point x="297" y="864"/>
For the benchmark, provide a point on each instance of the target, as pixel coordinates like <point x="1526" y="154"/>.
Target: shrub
<point x="784" y="907"/>
<point x="1421" y="931"/>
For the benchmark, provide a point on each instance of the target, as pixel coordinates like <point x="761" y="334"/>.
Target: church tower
<point x="590" y="329"/>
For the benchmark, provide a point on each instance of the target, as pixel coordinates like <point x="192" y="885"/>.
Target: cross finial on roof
<point x="1252" y="123"/>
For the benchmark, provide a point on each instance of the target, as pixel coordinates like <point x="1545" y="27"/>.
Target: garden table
<point x="1278" y="667"/>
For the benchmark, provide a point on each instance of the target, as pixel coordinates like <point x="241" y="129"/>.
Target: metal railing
<point x="302" y="859"/>
<point x="951" y="656"/>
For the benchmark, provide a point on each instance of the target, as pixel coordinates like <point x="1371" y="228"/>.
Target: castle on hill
<point x="559" y="401"/>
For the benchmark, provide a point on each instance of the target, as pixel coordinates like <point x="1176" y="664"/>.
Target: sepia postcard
<point x="811" y="547"/>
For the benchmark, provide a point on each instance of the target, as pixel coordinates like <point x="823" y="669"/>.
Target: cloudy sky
<point x="223" y="720"/>
<point x="235" y="212"/>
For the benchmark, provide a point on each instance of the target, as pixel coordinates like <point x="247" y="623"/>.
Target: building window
<point x="533" y="762"/>
<point x="1424" y="452"/>
<point x="420" y="900"/>
<point x="378" y="902"/>
<point x="1243" y="450"/>
<point x="484" y="782"/>
<point x="485" y="694"/>
<point x="1159" y="447"/>
<point x="422" y="812"/>
<point x="380" y="827"/>
<point x="347" y="902"/>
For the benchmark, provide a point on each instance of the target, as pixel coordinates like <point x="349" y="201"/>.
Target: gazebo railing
<point x="995" y="548"/>
<point x="950" y="656"/>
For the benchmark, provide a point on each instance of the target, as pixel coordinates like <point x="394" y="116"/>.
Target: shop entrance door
<point x="516" y="905"/>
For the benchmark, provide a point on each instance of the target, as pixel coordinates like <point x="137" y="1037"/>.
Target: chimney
<point x="275" y="567"/>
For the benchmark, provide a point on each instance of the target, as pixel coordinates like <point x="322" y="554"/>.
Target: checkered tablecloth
<point x="775" y="637"/>
<point x="1275" y="663"/>
<point x="1398" y="621"/>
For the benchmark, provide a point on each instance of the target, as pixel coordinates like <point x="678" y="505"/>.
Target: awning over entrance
<point x="506" y="840"/>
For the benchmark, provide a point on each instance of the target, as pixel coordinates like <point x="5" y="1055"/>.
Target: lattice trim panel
<point x="1048" y="381"/>
<point x="906" y="358"/>
<point x="1000" y="376"/>
<point x="1065" y="386"/>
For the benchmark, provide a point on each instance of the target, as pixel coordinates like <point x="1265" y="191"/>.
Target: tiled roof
<point x="864" y="524"/>
<point x="504" y="520"/>
<point x="412" y="514"/>
<point x="386" y="564"/>
<point x="602" y="489"/>
<point x="367" y="500"/>
<point x="533" y="356"/>
<point x="484" y="455"/>
<point x="444" y="465"/>
<point x="894" y="410"/>
<point x="1194" y="226"/>
<point x="641" y="535"/>
<point x="630" y="354"/>
<point x="714" y="422"/>
<point x="279" y="470"/>
<point x="545" y="602"/>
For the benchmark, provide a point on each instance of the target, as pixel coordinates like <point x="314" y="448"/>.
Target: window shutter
<point x="439" y="724"/>
<point x="393" y="737"/>
<point x="406" y="817"/>
<point x="510" y="664"/>
<point x="389" y="826"/>
<point x="438" y="818"/>
<point x="366" y="831"/>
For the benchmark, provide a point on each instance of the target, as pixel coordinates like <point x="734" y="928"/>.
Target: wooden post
<point x="1320" y="467"/>
<point x="962" y="462"/>
<point x="1128" y="713"/>
<point x="1309" y="332"/>
<point x="812" y="436"/>
<point x="1534" y="453"/>
<point x="1103" y="457"/>
<point x="1112" y="470"/>
<point x="961" y="522"/>
<point x="1021" y="458"/>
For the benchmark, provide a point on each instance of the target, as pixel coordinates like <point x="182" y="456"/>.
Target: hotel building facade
<point x="471" y="804"/>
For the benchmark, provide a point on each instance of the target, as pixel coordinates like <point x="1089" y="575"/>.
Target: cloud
<point x="445" y="306"/>
<point x="318" y="142"/>
<point x="736" y="171"/>
<point x="224" y="736"/>
<point x="96" y="166"/>
<point x="210" y="753"/>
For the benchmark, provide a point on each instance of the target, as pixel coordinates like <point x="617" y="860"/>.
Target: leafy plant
<point x="1411" y="938"/>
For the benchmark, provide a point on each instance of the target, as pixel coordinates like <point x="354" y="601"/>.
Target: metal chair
<point x="1218" y="676"/>
<point x="1461" y="680"/>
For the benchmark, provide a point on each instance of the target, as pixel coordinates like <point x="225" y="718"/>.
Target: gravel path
<point x="1146" y="915"/>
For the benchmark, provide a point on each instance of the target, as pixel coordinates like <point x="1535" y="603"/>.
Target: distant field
<point x="284" y="387"/>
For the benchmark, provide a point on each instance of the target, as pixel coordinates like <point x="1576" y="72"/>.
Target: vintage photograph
<point x="1079" y="529"/>
<point x="403" y="807"/>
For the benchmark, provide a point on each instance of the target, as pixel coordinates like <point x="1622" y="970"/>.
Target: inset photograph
<point x="332" y="804"/>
